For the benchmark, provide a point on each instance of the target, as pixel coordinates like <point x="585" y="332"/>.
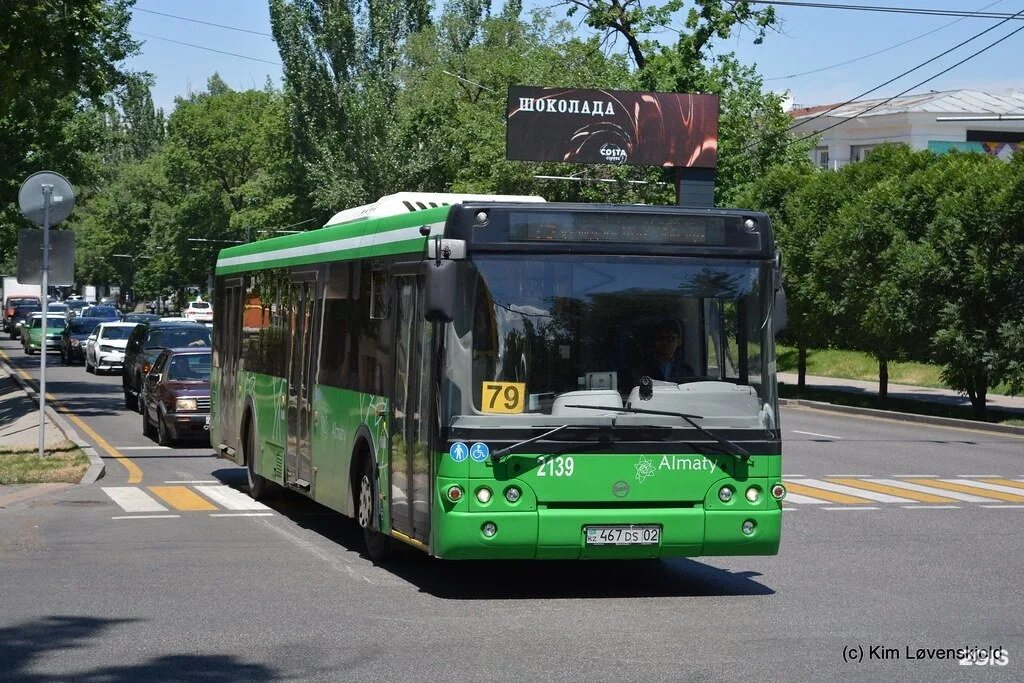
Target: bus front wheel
<point x="259" y="487"/>
<point x="378" y="545"/>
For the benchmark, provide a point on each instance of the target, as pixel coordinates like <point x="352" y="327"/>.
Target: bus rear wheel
<point x="259" y="487"/>
<point x="378" y="545"/>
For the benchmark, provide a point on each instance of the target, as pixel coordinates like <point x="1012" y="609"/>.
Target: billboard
<point x="612" y="127"/>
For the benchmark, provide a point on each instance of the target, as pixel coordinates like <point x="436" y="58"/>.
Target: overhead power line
<point x="888" y="9"/>
<point x="908" y="71"/>
<point x="913" y="87"/>
<point x="200" y="21"/>
<point x="884" y="49"/>
<point x="208" y="49"/>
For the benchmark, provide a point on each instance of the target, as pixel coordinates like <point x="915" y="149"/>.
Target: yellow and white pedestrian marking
<point x="830" y="496"/>
<point x="230" y="499"/>
<point x="133" y="499"/>
<point x="925" y="487"/>
<point x="183" y="498"/>
<point x="849" y="490"/>
<point x="1007" y="482"/>
<point x="974" y="488"/>
<point x="900" y="491"/>
<point x="991" y="485"/>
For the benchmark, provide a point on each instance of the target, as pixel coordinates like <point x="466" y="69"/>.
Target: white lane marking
<point x="789" y="509"/>
<point x="793" y="476"/>
<point x="982" y="476"/>
<point x="230" y="499"/>
<point x="192" y="481"/>
<point x="241" y="514"/>
<point x="147" y="517"/>
<point x="986" y="485"/>
<point x="827" y="436"/>
<point x="802" y="500"/>
<point x="850" y="476"/>
<point x="143" y="448"/>
<point x="851" y="507"/>
<point x="851" y="491"/>
<point x="910" y="486"/>
<point x="917" y="476"/>
<point x="133" y="499"/>
<point x="931" y="507"/>
<point x="1015" y="507"/>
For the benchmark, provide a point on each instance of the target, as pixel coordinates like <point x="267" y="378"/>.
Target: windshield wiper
<point x="733" y="449"/>
<point x="497" y="455"/>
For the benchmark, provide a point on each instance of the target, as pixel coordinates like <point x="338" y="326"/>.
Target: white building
<point x="939" y="121"/>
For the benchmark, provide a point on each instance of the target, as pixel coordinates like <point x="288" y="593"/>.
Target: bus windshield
<point x="585" y="330"/>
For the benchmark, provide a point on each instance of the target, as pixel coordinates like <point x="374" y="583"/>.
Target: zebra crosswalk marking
<point x="132" y="499"/>
<point x="182" y="498"/>
<point x="927" y="488"/>
<point x="830" y="496"/>
<point x="850" y="491"/>
<point x="1006" y="482"/>
<point x="230" y="499"/>
<point x="973" y="489"/>
<point x="900" y="491"/>
<point x="990" y="485"/>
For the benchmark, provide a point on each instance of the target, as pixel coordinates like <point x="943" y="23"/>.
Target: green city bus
<point x="488" y="377"/>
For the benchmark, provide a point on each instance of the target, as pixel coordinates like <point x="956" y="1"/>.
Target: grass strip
<point x="29" y="468"/>
<point x="900" y="405"/>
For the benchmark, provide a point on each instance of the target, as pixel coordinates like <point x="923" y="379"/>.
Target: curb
<point x="96" y="465"/>
<point x="905" y="417"/>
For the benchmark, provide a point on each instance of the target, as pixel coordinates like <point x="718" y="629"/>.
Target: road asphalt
<point x="202" y="589"/>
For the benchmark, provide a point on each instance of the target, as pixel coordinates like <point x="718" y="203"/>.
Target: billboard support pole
<point x="695" y="187"/>
<point x="47" y="197"/>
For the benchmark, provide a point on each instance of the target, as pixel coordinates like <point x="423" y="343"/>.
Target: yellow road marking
<point x="825" y="495"/>
<point x="892" y="490"/>
<point x="183" y="498"/>
<point x="905" y="423"/>
<point x="1005" y="482"/>
<point x="134" y="473"/>
<point x="973" y="490"/>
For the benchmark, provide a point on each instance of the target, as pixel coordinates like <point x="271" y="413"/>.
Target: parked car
<point x="145" y="344"/>
<point x="20" y="315"/>
<point x="103" y="312"/>
<point x="34" y="337"/>
<point x="73" y="338"/>
<point x="139" y="317"/>
<point x="176" y="396"/>
<point x="104" y="348"/>
<point x="75" y="307"/>
<point x="109" y="301"/>
<point x="12" y="303"/>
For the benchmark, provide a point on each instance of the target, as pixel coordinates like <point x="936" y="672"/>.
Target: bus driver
<point x="663" y="361"/>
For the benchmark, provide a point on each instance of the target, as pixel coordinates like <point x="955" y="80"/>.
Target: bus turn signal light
<point x="778" y="492"/>
<point x="455" y="493"/>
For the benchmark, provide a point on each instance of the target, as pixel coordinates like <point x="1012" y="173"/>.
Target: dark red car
<point x="175" y="396"/>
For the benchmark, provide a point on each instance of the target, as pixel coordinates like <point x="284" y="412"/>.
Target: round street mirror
<point x="30" y="197"/>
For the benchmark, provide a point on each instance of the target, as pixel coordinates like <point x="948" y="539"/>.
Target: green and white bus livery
<point x="502" y="377"/>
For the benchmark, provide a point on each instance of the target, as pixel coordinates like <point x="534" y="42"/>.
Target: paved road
<point x="94" y="589"/>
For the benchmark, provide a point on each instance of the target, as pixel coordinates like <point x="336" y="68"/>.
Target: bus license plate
<point x="623" y="535"/>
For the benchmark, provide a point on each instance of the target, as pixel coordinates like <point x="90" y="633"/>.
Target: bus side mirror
<point x="779" y="312"/>
<point x="440" y="290"/>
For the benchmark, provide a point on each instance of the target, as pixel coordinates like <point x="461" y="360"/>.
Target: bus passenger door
<point x="301" y="365"/>
<point x="410" y="419"/>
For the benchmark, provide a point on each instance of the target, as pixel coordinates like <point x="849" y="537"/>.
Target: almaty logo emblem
<point x="644" y="469"/>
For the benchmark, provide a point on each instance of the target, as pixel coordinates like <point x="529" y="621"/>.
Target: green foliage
<point x="60" y="61"/>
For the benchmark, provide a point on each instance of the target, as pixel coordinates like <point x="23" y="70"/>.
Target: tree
<point x="977" y="241"/>
<point x="60" y="60"/>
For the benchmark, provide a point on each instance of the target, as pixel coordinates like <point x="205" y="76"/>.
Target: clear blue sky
<point x="807" y="39"/>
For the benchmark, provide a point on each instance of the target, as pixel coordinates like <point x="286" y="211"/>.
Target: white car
<point x="104" y="349"/>
<point x="200" y="311"/>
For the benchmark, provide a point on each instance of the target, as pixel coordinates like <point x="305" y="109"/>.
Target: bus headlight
<point x="512" y="494"/>
<point x="778" y="492"/>
<point x="748" y="527"/>
<point x="725" y="494"/>
<point x="753" y="494"/>
<point x="489" y="529"/>
<point x="483" y="494"/>
<point x="185" y="404"/>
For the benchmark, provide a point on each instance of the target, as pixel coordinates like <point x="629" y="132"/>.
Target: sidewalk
<point x="19" y="420"/>
<point x="1010" y="404"/>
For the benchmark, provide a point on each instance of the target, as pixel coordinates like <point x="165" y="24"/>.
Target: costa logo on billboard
<point x="612" y="127"/>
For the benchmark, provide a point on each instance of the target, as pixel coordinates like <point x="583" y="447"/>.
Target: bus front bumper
<point x="558" y="533"/>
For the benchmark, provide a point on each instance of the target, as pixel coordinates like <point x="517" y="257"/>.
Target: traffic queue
<point x="164" y="361"/>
